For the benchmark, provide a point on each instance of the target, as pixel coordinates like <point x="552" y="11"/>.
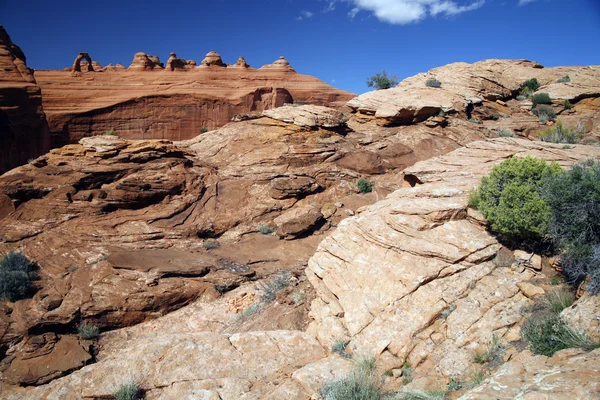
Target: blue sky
<point x="341" y="42"/>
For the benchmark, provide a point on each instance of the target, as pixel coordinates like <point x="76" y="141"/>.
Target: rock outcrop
<point x="241" y="63"/>
<point x="179" y="63"/>
<point x="281" y="64"/>
<point x="410" y="278"/>
<point x="142" y="62"/>
<point x="77" y="63"/>
<point x="212" y="59"/>
<point x="24" y="131"/>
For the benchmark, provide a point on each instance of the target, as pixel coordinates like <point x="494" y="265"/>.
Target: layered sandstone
<point x="175" y="103"/>
<point x="24" y="132"/>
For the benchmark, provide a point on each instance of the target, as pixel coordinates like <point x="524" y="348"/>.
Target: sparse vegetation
<point x="568" y="105"/>
<point x="530" y="85"/>
<point x="111" y="133"/>
<point x="433" y="83"/>
<point x="362" y="384"/>
<point x="559" y="299"/>
<point x="560" y="133"/>
<point x="541" y="98"/>
<point x="546" y="335"/>
<point x="381" y="80"/>
<point x="364" y="186"/>
<point x="505" y="132"/>
<point x="339" y="347"/>
<point x="493" y="350"/>
<point x="128" y="391"/>
<point x="407" y="371"/>
<point x="273" y="286"/>
<point x="17" y="274"/>
<point x="455" y="384"/>
<point x="88" y="331"/>
<point x="210" y="244"/>
<point x="475" y="378"/>
<point x="474" y="120"/>
<point x="203" y="130"/>
<point x="564" y="79"/>
<point x="544" y="112"/>
<point x="265" y="230"/>
<point x="510" y="201"/>
<point x="253" y="309"/>
<point x="555" y="280"/>
<point x="427" y="394"/>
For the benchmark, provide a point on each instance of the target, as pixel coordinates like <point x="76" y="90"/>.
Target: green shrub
<point x="88" y="331"/>
<point x="548" y="334"/>
<point x="568" y="105"/>
<point x="541" y="98"/>
<point x="382" y="80"/>
<point x="128" y="391"/>
<point x="574" y="198"/>
<point x="475" y="378"/>
<point x="418" y="394"/>
<point x="544" y="110"/>
<point x="362" y="384"/>
<point x="273" y="286"/>
<point x="339" y="347"/>
<point x="364" y="186"/>
<point x="434" y="83"/>
<point x="510" y="202"/>
<point x="530" y="85"/>
<point x="210" y="244"/>
<point x="17" y="274"/>
<point x="111" y="133"/>
<point x="203" y="130"/>
<point x="493" y="350"/>
<point x="455" y="384"/>
<point x="505" y="132"/>
<point x="564" y="79"/>
<point x="265" y="230"/>
<point x="560" y="133"/>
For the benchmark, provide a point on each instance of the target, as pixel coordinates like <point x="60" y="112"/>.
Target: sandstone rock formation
<point x="142" y="61"/>
<point x="77" y="63"/>
<point x="402" y="281"/>
<point x="24" y="131"/>
<point x="212" y="59"/>
<point x="281" y="63"/>
<point x="308" y="116"/>
<point x="179" y="63"/>
<point x="241" y="63"/>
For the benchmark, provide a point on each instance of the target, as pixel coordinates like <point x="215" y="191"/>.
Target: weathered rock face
<point x="473" y="89"/>
<point x="142" y="61"/>
<point x="23" y="128"/>
<point x="280" y="63"/>
<point x="410" y="278"/>
<point x="212" y="59"/>
<point x="137" y="104"/>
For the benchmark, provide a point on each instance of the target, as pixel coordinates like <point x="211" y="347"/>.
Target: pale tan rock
<point x="212" y="59"/>
<point x="530" y="260"/>
<point x="297" y="221"/>
<point x="328" y="210"/>
<point x="530" y="290"/>
<point x="314" y="376"/>
<point x="308" y="116"/>
<point x="584" y="316"/>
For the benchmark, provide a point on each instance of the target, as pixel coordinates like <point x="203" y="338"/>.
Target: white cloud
<point x="304" y="15"/>
<point x="523" y="2"/>
<point x="408" y="11"/>
<point x="330" y="6"/>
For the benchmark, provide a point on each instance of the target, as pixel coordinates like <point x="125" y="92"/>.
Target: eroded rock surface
<point x="410" y="278"/>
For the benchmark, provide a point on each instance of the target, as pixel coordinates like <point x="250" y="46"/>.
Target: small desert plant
<point x="560" y="133"/>
<point x="505" y="132"/>
<point x="568" y="105"/>
<point x="203" y="130"/>
<point x="522" y="97"/>
<point x="88" y="331"/>
<point x="434" y="83"/>
<point x="339" y="347"/>
<point x="544" y="110"/>
<point x="474" y="120"/>
<point x="530" y="85"/>
<point x="504" y="258"/>
<point x="546" y="335"/>
<point x="265" y="230"/>
<point x="474" y="198"/>
<point x="541" y="98"/>
<point x="364" y="186"/>
<point x="381" y="80"/>
<point x="455" y="384"/>
<point x="564" y="79"/>
<point x="543" y="119"/>
<point x="407" y="371"/>
<point x="128" y="391"/>
<point x="556" y="280"/>
<point x="17" y="274"/>
<point x="559" y="299"/>
<point x="362" y="384"/>
<point x="426" y="394"/>
<point x="493" y="350"/>
<point x="272" y="287"/>
<point x="111" y="133"/>
<point x="210" y="244"/>
<point x="475" y="378"/>
<point x="297" y="297"/>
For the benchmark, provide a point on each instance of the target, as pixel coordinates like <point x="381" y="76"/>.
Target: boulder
<point x="298" y="221"/>
<point x="212" y="59"/>
<point x="584" y="316"/>
<point x="308" y="116"/>
<point x="142" y="62"/>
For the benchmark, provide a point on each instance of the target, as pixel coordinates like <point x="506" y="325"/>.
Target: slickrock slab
<point x="411" y="277"/>
<point x="308" y="116"/>
<point x="568" y="375"/>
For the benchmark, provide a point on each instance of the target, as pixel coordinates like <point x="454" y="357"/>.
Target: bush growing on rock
<point x="574" y="200"/>
<point x="530" y="85"/>
<point x="434" y="83"/>
<point x="544" y="111"/>
<point x="505" y="132"/>
<point x="381" y="80"/>
<point x="362" y="384"/>
<point x="564" y="79"/>
<point x="128" y="391"/>
<point x="17" y="274"/>
<point x="541" y="98"/>
<point x="364" y="186"/>
<point x="510" y="201"/>
<point x="548" y="334"/>
<point x="88" y="331"/>
<point x="560" y="133"/>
